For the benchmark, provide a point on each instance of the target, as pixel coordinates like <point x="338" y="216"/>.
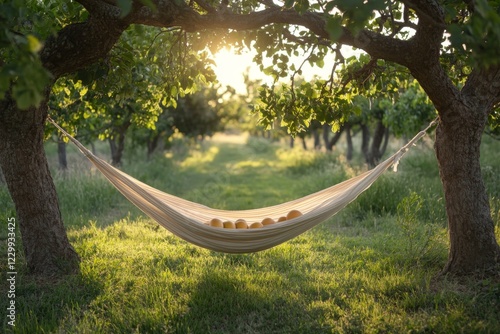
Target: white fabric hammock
<point x="187" y="219"/>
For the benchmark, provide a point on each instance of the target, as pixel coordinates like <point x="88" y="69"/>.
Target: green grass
<point x="369" y="269"/>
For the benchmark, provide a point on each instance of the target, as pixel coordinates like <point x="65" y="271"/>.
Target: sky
<point x="230" y="68"/>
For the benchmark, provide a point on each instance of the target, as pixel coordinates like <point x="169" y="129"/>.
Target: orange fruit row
<point x="242" y="223"/>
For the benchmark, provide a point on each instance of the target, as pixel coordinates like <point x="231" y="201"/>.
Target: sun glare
<point x="230" y="68"/>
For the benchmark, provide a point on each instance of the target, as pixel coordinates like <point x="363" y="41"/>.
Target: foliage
<point x="418" y="237"/>
<point x="132" y="86"/>
<point x="411" y="111"/>
<point x="21" y="72"/>
<point x="199" y="114"/>
<point x="475" y="31"/>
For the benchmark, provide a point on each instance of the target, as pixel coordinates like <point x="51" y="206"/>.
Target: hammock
<point x="187" y="219"/>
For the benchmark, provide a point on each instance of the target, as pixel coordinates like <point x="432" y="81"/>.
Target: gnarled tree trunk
<point x="26" y="171"/>
<point x="22" y="156"/>
<point x="473" y="247"/>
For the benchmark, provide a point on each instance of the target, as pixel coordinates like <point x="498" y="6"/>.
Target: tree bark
<point x="117" y="139"/>
<point x="385" y="143"/>
<point x="365" y="142"/>
<point x="326" y="136"/>
<point x="350" y="148"/>
<point x="335" y="139"/>
<point x="2" y="179"/>
<point x="317" y="141"/>
<point x="473" y="247"/>
<point x="26" y="171"/>
<point x="376" y="150"/>
<point x="117" y="145"/>
<point x="22" y="156"/>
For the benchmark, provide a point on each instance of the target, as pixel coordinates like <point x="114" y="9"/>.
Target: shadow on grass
<point x="41" y="305"/>
<point x="225" y="302"/>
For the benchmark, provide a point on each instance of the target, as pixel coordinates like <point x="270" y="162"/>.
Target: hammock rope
<point x="187" y="219"/>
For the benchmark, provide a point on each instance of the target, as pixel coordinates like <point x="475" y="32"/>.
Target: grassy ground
<point x="369" y="269"/>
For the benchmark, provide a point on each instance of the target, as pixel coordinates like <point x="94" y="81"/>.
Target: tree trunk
<point x="92" y="148"/>
<point x="365" y="141"/>
<point x="152" y="144"/>
<point x="375" y="153"/>
<point x="326" y="136"/>
<point x="117" y="142"/>
<point x="335" y="139"/>
<point x="26" y="171"/>
<point x="117" y="145"/>
<point x="304" y="144"/>
<point x="385" y="143"/>
<point x="22" y="156"/>
<point x="473" y="247"/>
<point x="317" y="141"/>
<point x="61" y="153"/>
<point x="350" y="148"/>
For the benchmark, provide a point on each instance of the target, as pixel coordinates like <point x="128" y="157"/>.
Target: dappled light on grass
<point x="199" y="159"/>
<point x="354" y="273"/>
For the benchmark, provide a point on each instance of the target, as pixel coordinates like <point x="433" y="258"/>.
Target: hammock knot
<point x="398" y="157"/>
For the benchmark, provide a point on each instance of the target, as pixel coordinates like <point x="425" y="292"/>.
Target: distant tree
<point x="198" y="115"/>
<point x="410" y="112"/>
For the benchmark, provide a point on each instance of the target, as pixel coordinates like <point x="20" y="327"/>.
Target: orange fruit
<point x="216" y="222"/>
<point x="256" y="225"/>
<point x="268" y="221"/>
<point x="228" y="224"/>
<point x="293" y="214"/>
<point x="241" y="223"/>
<point x="281" y="219"/>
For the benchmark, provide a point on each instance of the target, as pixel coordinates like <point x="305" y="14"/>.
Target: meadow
<point x="372" y="268"/>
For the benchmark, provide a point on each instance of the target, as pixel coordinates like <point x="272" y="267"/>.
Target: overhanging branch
<point x="378" y="45"/>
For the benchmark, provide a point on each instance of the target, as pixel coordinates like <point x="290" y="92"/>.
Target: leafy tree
<point x="410" y="112"/>
<point x="152" y="137"/>
<point x="451" y="48"/>
<point x="199" y="115"/>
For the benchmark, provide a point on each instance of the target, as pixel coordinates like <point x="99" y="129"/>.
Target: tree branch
<point x="206" y="6"/>
<point x="80" y="44"/>
<point x="428" y="10"/>
<point x="102" y="7"/>
<point x="378" y="45"/>
<point x="483" y="86"/>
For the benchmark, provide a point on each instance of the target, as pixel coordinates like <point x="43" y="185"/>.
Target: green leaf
<point x="34" y="45"/>
<point x="84" y="91"/>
